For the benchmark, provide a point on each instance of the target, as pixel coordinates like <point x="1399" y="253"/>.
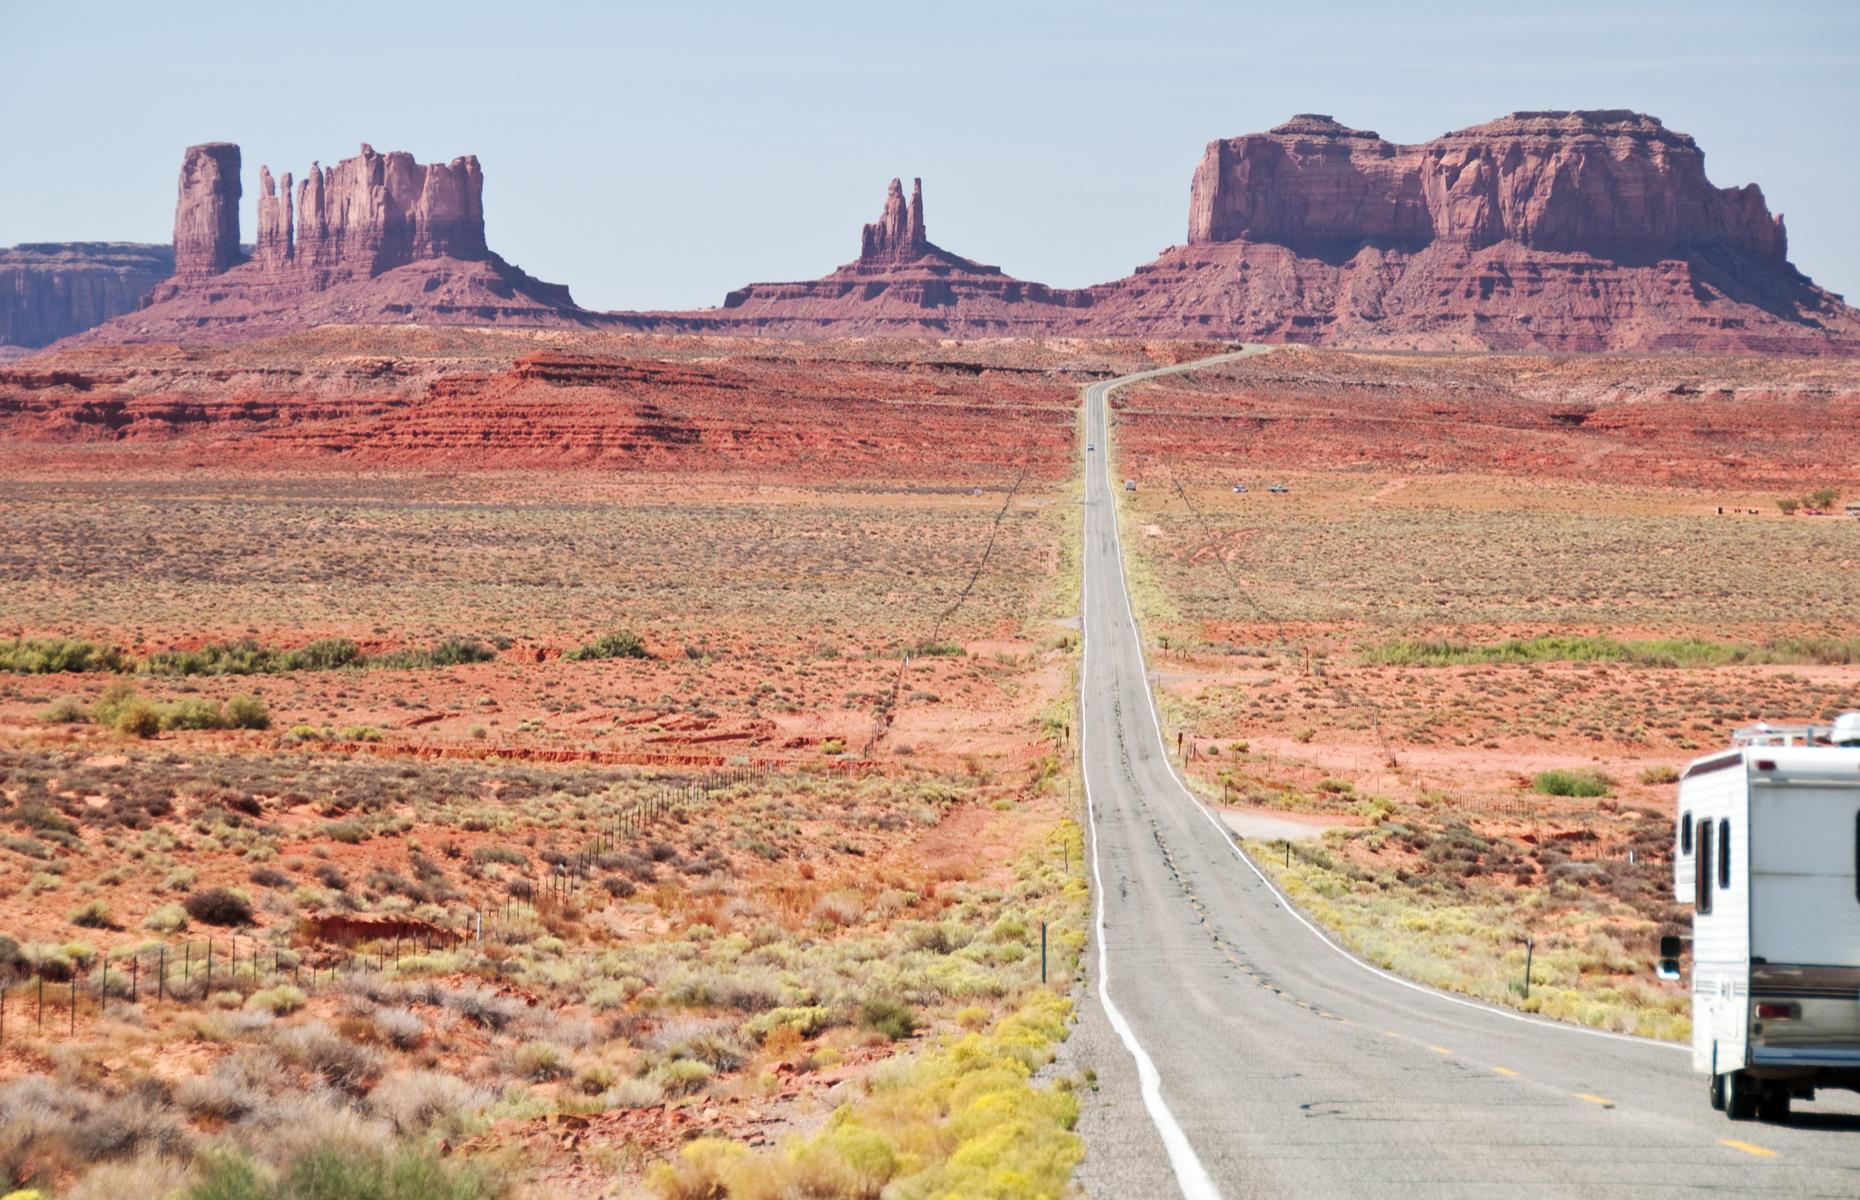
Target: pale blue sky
<point x="655" y="156"/>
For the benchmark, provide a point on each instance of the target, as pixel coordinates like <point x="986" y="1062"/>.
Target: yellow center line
<point x="1507" y="1071"/>
<point x="1604" y="1101"/>
<point x="1391" y="1033"/>
<point x="1440" y="1050"/>
<point x="1747" y="1148"/>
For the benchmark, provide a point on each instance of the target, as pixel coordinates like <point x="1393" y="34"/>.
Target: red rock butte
<point x="1615" y="183"/>
<point x="901" y="283"/>
<point x="376" y="239"/>
<point x="1541" y="230"/>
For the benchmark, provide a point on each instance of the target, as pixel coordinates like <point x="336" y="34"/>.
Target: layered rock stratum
<point x="51" y="290"/>
<point x="377" y="239"/>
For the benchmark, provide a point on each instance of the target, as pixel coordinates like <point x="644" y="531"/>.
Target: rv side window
<point x="1724" y="853"/>
<point x="1857" y="856"/>
<point x="1701" y="878"/>
<point x="1685" y="833"/>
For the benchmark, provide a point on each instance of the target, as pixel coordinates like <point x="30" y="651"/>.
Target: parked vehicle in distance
<point x="1278" y="488"/>
<point x="1766" y="847"/>
<point x="1240" y="487"/>
<point x="1089" y="447"/>
<point x="1130" y="485"/>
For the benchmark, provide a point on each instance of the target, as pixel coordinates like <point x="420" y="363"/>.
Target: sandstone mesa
<point x="377" y="239"/>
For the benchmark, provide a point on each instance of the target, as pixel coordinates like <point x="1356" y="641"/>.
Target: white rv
<point x="1767" y="852"/>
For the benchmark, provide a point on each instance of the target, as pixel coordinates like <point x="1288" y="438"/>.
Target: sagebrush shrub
<point x="620" y="643"/>
<point x="166" y="918"/>
<point x="219" y="906"/>
<point x="1576" y="781"/>
<point x="92" y="914"/>
<point x="278" y="1001"/>
<point x="896" y="1021"/>
<point x="66" y="710"/>
<point x="415" y="1101"/>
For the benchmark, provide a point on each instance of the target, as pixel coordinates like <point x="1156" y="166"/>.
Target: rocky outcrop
<point x="902" y="283"/>
<point x="1611" y="183"/>
<point x="51" y="290"/>
<point x="1574" y="231"/>
<point x="898" y="236"/>
<point x="206" y="214"/>
<point x="375" y="212"/>
<point x="375" y="239"/>
<point x="276" y="246"/>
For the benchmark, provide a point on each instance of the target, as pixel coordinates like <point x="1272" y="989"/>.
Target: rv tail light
<point x="1778" y="1012"/>
<point x="1766" y="764"/>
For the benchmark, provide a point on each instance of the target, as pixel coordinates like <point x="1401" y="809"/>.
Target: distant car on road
<point x="1239" y="487"/>
<point x="1278" y="487"/>
<point x="1089" y="447"/>
<point x="1130" y="485"/>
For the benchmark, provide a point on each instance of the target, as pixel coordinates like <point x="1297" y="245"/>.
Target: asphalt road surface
<point x="1239" y="1053"/>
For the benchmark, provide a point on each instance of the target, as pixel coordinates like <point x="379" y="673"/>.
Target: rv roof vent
<point x="1846" y="729"/>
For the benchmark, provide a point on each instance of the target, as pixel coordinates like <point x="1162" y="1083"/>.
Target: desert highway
<point x="1238" y="1053"/>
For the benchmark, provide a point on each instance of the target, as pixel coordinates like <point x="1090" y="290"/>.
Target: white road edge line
<point x="1290" y="908"/>
<point x="1190" y="1175"/>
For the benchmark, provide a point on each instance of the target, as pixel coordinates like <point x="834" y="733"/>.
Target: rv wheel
<point x="1740" y="1097"/>
<point x="1717" y="1092"/>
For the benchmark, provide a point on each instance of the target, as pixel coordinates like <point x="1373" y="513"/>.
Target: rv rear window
<point x="1724" y="853"/>
<point x="1685" y="833"/>
<point x="1701" y="877"/>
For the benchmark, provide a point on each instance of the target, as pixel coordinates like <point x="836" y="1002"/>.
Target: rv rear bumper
<point x="1805" y="1056"/>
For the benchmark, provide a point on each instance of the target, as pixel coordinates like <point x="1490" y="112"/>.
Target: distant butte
<point x="51" y="290"/>
<point x="1542" y="230"/>
<point x="377" y="239"/>
<point x="901" y="283"/>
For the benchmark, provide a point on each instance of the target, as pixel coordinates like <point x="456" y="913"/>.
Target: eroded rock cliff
<point x="206" y="215"/>
<point x="1611" y="183"/>
<point x="50" y="290"/>
<point x="375" y="239"/>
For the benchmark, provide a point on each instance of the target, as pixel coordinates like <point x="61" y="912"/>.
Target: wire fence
<point x="316" y="951"/>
